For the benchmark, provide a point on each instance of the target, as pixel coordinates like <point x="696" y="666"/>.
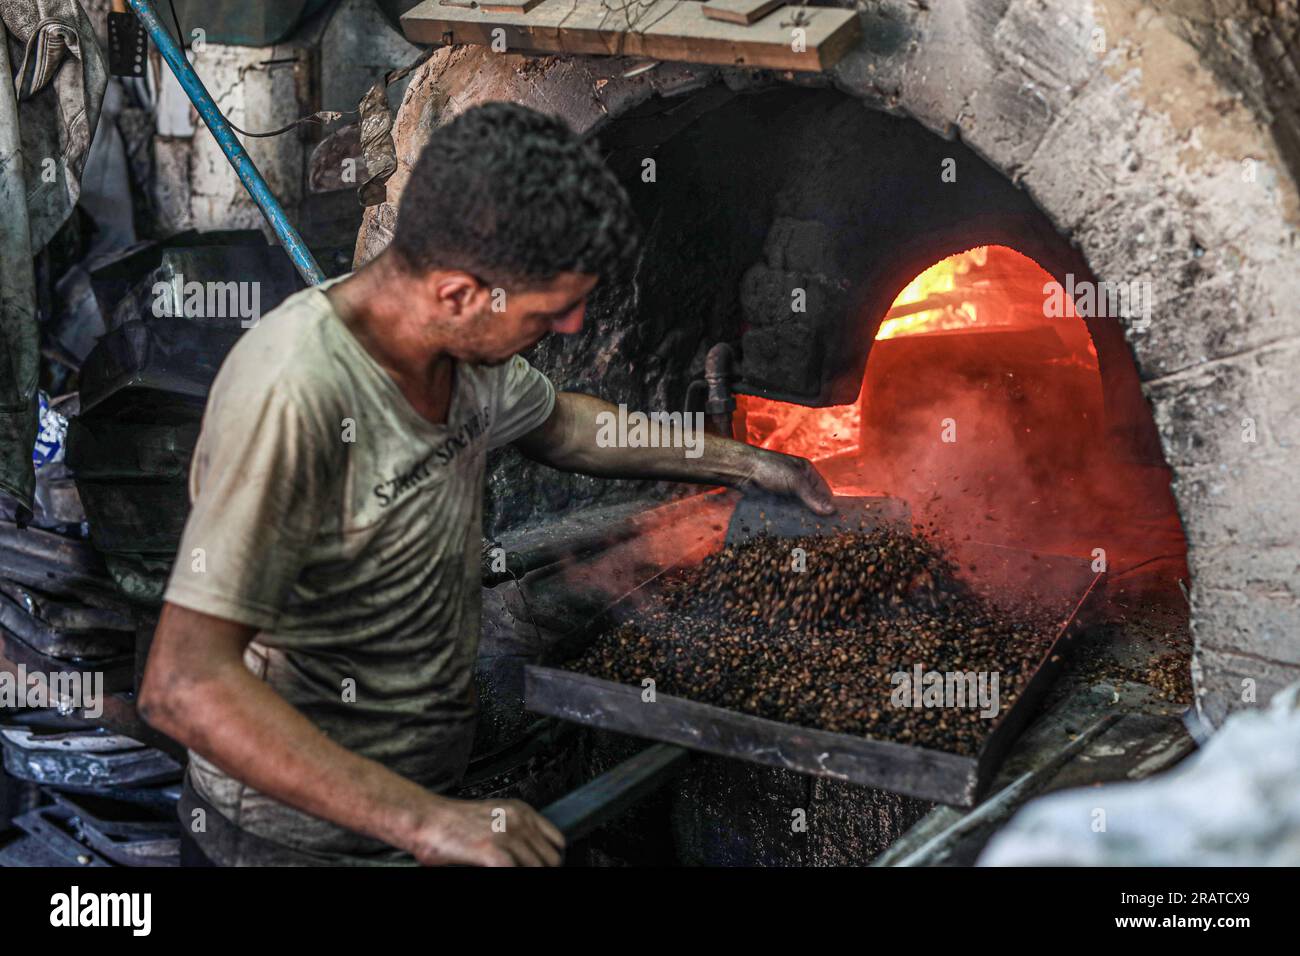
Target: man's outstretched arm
<point x="198" y="691"/>
<point x="570" y="440"/>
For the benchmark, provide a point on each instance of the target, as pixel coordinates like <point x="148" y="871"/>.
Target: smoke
<point x="1000" y="438"/>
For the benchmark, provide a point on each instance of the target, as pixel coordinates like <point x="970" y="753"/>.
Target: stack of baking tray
<point x="62" y="618"/>
<point x="59" y="608"/>
<point x="66" y="833"/>
<point x="172" y="311"/>
<point x="98" y="798"/>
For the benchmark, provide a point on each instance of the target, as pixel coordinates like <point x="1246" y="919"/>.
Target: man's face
<point x="492" y="325"/>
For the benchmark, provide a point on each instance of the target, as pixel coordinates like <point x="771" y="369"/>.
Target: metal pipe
<point x="717" y="372"/>
<point x="247" y="172"/>
<point x="591" y="806"/>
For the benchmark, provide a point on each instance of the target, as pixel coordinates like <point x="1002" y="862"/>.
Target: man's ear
<point x="458" y="293"/>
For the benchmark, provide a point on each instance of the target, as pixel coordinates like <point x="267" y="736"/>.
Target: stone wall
<point x="1160" y="138"/>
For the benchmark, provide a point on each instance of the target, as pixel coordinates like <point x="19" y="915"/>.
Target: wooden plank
<point x="918" y="772"/>
<point x="801" y="38"/>
<point x="740" y="11"/>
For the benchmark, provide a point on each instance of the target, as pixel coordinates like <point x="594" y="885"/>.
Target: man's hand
<point x="486" y="833"/>
<point x="790" y="477"/>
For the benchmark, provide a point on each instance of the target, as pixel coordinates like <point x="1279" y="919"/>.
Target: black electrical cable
<point x="180" y="37"/>
<point x="322" y="117"/>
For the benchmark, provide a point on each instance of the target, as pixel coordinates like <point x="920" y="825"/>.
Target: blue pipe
<point x="247" y="172"/>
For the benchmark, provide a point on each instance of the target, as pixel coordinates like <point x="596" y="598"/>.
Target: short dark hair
<point x="513" y="197"/>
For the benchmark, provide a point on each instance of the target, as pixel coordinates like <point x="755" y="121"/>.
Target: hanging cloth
<point x="48" y="112"/>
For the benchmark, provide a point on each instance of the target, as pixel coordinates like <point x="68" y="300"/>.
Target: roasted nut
<point x="818" y="648"/>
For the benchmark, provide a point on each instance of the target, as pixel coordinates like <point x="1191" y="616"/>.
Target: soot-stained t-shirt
<point x="346" y="528"/>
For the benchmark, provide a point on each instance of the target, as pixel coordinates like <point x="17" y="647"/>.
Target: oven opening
<point x="982" y="406"/>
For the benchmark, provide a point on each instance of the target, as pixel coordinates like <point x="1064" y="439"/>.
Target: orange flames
<point x="819" y="433"/>
<point x="814" y="433"/>
<point x="950" y="307"/>
<point x="987" y="287"/>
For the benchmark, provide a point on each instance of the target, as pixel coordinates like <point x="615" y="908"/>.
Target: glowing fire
<point x="814" y="433"/>
<point x="987" y="287"/>
<point x="820" y="433"/>
<point x="937" y="286"/>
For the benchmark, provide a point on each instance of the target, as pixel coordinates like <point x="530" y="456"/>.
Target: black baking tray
<point x="946" y="778"/>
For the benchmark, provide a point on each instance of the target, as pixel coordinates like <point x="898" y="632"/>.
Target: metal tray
<point x="946" y="778"/>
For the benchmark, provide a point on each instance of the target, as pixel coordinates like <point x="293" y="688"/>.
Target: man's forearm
<point x="577" y="437"/>
<point x="572" y="441"/>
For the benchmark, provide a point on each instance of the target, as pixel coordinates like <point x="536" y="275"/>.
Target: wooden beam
<point x="795" y="38"/>
<point x="740" y="11"/>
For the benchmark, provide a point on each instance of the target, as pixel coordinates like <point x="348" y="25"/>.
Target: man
<point x="316" y="649"/>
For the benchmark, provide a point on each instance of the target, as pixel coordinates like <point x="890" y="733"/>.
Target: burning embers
<point x="865" y="633"/>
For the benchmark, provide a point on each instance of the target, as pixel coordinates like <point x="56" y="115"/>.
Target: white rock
<point x="1236" y="802"/>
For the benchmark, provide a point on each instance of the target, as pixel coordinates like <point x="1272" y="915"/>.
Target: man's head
<point x="507" y="223"/>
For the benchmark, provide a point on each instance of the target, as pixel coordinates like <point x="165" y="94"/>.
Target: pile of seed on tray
<point x="820" y="647"/>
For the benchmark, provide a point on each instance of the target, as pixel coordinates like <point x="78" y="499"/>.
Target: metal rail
<point x="594" y="804"/>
